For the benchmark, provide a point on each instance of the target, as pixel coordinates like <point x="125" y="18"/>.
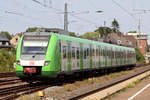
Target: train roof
<point x="86" y="41"/>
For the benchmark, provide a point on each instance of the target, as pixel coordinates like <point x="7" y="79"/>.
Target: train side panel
<point x="53" y="55"/>
<point x="19" y="68"/>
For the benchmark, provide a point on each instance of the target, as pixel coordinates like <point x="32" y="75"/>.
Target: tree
<point x="72" y="34"/>
<point x="89" y="35"/>
<point x="104" y="31"/>
<point x="6" y="34"/>
<point x="7" y="60"/>
<point x="132" y="32"/>
<point x="32" y="29"/>
<point x="115" y="26"/>
<point x="139" y="56"/>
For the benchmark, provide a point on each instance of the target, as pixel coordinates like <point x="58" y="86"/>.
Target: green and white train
<point x="48" y="55"/>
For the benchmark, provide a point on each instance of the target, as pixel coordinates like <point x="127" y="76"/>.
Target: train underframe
<point x="31" y="74"/>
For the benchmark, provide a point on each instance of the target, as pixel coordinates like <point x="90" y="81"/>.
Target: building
<point x="119" y="39"/>
<point x="4" y="42"/>
<point x="15" y="39"/>
<point x="131" y="41"/>
<point x="141" y="41"/>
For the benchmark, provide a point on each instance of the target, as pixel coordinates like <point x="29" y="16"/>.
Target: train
<point x="47" y="55"/>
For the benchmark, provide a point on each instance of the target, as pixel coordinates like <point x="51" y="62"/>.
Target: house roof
<point x="3" y="38"/>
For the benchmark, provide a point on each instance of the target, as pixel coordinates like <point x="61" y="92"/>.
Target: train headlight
<point x="46" y="63"/>
<point x="18" y="62"/>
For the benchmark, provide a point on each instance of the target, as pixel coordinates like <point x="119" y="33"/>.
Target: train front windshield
<point x="35" y="44"/>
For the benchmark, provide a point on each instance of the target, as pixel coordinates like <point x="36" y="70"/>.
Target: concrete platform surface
<point x="140" y="92"/>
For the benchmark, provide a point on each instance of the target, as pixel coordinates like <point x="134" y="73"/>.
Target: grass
<point x="69" y="87"/>
<point x="86" y="82"/>
<point x="131" y="85"/>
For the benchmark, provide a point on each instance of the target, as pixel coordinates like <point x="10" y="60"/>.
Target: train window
<point x="69" y="51"/>
<point x="113" y="52"/>
<point x="97" y="52"/>
<point x="110" y="54"/>
<point x="101" y="51"/>
<point x="64" y="52"/>
<point x="93" y="52"/>
<point x="87" y="52"/>
<point x="73" y="52"/>
<point x="84" y="53"/>
<point x="77" y="53"/>
<point x="104" y="52"/>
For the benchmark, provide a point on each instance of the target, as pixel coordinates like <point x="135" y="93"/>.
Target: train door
<point x="69" y="57"/>
<point x="112" y="56"/>
<point x="78" y="57"/>
<point x="97" y="57"/>
<point x="73" y="59"/>
<point x="108" y="57"/>
<point x="94" y="56"/>
<point x="102" y="57"/>
<point x="84" y="57"/>
<point x="64" y="58"/>
<point x="88" y="57"/>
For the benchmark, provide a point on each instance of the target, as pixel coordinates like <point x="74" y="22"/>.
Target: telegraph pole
<point x="65" y="18"/>
<point x="141" y="11"/>
<point x="139" y="26"/>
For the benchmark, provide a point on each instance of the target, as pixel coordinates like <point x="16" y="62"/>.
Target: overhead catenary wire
<point x="124" y="9"/>
<point x="129" y="13"/>
<point x="82" y="19"/>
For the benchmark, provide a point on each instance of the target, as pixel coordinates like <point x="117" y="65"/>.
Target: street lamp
<point x="99" y="11"/>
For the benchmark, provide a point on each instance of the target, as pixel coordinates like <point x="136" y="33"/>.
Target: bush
<point x="139" y="56"/>
<point x="7" y="59"/>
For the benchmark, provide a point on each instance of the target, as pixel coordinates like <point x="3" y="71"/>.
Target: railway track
<point x="9" y="93"/>
<point x="10" y="74"/>
<point x="12" y="87"/>
<point x="8" y="78"/>
<point x="110" y="84"/>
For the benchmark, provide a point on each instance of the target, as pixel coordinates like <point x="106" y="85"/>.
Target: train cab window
<point x="78" y="53"/>
<point x="85" y="54"/>
<point x="73" y="52"/>
<point x="64" y="52"/>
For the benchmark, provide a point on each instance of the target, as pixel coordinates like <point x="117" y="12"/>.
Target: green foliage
<point x="115" y="26"/>
<point x="132" y="32"/>
<point x="7" y="60"/>
<point x="90" y="35"/>
<point x="32" y="29"/>
<point x="148" y="48"/>
<point x="139" y="56"/>
<point x="104" y="31"/>
<point x="6" y="34"/>
<point x="72" y="34"/>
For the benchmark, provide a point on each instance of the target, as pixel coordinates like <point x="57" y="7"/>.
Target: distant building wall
<point x="143" y="46"/>
<point x="141" y="39"/>
<point x="14" y="41"/>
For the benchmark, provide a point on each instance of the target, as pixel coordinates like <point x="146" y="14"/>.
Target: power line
<point x="124" y="9"/>
<point x="83" y="19"/>
<point x="128" y="13"/>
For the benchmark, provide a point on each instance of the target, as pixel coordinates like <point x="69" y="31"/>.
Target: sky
<point x="17" y="15"/>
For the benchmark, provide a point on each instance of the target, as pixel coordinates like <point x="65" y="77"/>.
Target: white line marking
<point x="139" y="92"/>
